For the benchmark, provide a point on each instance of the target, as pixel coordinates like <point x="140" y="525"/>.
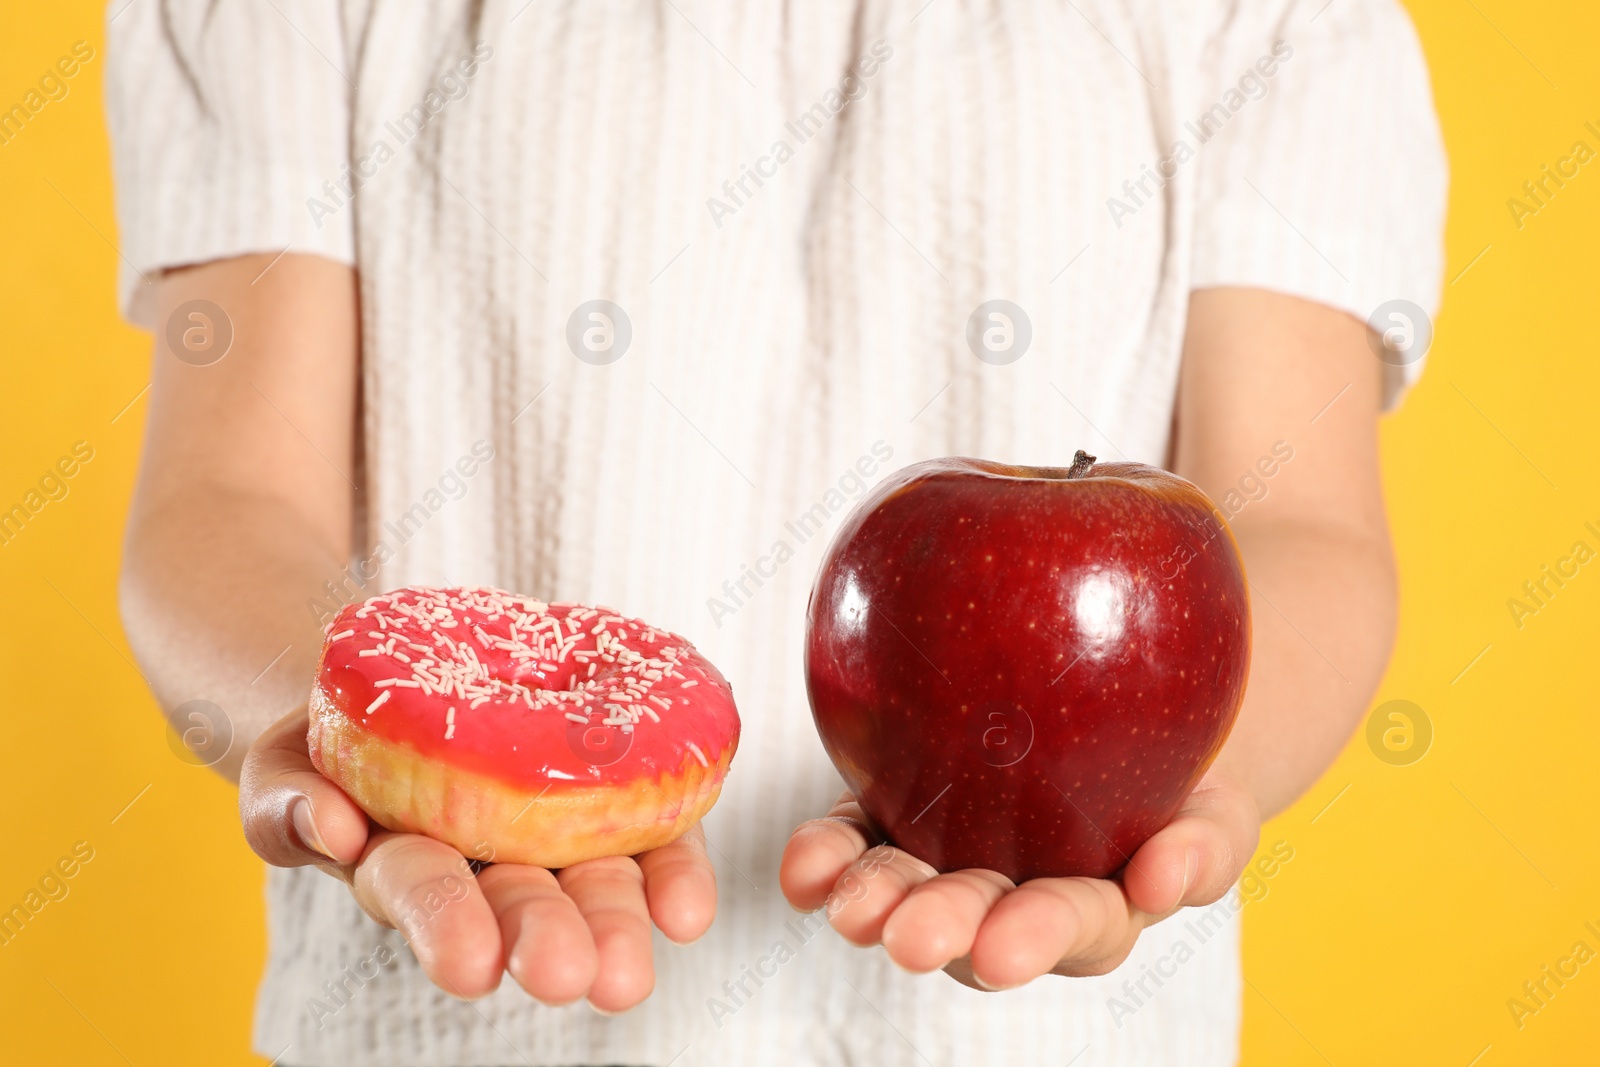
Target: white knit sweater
<point x="798" y="208"/>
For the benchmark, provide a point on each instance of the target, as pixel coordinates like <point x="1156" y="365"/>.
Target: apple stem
<point x="1080" y="464"/>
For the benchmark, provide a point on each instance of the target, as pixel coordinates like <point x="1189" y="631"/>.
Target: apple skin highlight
<point x="1027" y="669"/>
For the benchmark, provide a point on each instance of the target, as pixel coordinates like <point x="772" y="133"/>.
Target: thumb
<point x="1198" y="856"/>
<point x="821" y="850"/>
<point x="292" y="815"/>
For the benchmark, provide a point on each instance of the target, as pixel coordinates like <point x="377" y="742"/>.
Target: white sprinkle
<point x="701" y="756"/>
<point x="637" y="657"/>
<point x="372" y="707"/>
<point x="341" y="635"/>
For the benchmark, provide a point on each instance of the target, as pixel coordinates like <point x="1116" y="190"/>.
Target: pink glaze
<point x="501" y="647"/>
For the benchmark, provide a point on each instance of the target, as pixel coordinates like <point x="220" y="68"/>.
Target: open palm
<point x="583" y="931"/>
<point x="990" y="933"/>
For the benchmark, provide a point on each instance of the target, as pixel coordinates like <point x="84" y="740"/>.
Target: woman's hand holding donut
<point x="989" y="933"/>
<point x="583" y="931"/>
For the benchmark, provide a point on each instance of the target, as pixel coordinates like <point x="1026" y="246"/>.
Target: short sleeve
<point x="229" y="125"/>
<point x="1328" y="179"/>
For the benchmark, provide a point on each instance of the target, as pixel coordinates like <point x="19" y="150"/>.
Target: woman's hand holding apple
<point x="990" y="933"/>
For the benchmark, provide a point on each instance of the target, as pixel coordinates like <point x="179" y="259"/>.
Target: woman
<point x="402" y="222"/>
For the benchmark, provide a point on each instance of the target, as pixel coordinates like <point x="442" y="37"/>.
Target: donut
<point x="519" y="731"/>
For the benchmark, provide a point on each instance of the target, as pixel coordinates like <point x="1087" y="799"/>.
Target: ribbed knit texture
<point x="776" y="342"/>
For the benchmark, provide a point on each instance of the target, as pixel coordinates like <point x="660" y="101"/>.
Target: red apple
<point x="1027" y="669"/>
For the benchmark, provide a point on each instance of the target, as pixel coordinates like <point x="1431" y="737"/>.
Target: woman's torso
<point x="789" y="343"/>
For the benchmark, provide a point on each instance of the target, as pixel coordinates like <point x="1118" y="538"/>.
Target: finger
<point x="291" y="814"/>
<point x="610" y="894"/>
<point x="870" y="889"/>
<point x="1198" y="856"/>
<point x="1067" y="925"/>
<point x="680" y="887"/>
<point x="548" y="947"/>
<point x="819" y="852"/>
<point x="939" y="919"/>
<point x="425" y="889"/>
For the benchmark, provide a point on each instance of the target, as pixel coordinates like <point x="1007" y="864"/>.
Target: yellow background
<point x="1415" y="905"/>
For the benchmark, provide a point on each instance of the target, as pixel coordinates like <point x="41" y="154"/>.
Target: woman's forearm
<point x="1322" y="604"/>
<point x="217" y="598"/>
<point x="1278" y="422"/>
<point x="242" y="510"/>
